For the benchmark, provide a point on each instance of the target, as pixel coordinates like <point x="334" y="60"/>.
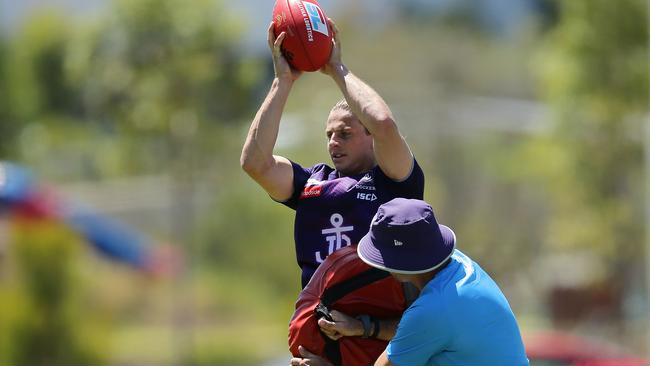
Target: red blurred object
<point x="308" y="43"/>
<point x="555" y="348"/>
<point x="164" y="261"/>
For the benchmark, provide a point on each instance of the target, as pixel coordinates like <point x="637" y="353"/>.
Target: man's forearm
<point x="365" y="102"/>
<point x="387" y="329"/>
<point x="263" y="133"/>
<point x="392" y="153"/>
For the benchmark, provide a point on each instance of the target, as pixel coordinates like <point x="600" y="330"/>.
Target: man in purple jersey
<point x="372" y="162"/>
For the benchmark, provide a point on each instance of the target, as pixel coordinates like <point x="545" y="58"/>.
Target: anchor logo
<point x="337" y="239"/>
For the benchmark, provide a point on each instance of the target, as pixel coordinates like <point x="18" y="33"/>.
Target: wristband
<point x="375" y="332"/>
<point x="365" y="320"/>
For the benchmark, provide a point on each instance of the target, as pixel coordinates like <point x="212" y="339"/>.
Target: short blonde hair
<point x="342" y="105"/>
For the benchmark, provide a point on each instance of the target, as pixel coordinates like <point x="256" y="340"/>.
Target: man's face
<point x="349" y="145"/>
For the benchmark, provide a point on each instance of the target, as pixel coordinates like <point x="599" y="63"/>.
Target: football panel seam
<point x="302" y="41"/>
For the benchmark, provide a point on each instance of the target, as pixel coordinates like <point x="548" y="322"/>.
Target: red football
<point x="308" y="42"/>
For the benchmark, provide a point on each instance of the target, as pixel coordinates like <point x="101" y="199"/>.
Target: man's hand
<point x="342" y="326"/>
<point x="308" y="359"/>
<point x="335" y="62"/>
<point x="283" y="70"/>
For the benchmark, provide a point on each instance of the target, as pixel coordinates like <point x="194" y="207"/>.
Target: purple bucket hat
<point x="405" y="238"/>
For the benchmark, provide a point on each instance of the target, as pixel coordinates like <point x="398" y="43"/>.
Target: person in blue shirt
<point x="461" y="317"/>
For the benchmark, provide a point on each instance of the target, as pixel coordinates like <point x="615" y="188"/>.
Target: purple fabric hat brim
<point x="369" y="253"/>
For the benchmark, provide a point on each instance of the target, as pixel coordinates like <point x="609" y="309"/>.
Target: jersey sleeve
<point x="421" y="334"/>
<point x="300" y="177"/>
<point x="411" y="187"/>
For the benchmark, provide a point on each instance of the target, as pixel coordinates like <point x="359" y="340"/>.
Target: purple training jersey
<point x="333" y="212"/>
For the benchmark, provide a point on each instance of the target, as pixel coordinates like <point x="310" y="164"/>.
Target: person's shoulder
<point x="451" y="281"/>
<point x="413" y="182"/>
<point x="472" y="282"/>
<point x="463" y="268"/>
<point x="461" y="258"/>
<point x="322" y="167"/>
<point x="321" y="171"/>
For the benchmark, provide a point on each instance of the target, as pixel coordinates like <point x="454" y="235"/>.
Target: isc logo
<point x="316" y="18"/>
<point x="366" y="196"/>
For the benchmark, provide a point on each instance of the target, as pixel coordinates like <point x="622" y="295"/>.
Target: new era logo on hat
<point x="405" y="237"/>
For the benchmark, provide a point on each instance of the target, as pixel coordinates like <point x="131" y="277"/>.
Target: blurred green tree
<point x="34" y="89"/>
<point x="150" y="87"/>
<point x="6" y="133"/>
<point x="163" y="74"/>
<point x="151" y="81"/>
<point x="595" y="76"/>
<point x="44" y="323"/>
<point x="582" y="179"/>
<point x="36" y="84"/>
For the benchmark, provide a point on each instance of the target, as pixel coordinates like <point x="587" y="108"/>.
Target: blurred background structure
<point x="528" y="117"/>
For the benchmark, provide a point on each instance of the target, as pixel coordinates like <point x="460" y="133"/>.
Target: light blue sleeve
<point x="421" y="334"/>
